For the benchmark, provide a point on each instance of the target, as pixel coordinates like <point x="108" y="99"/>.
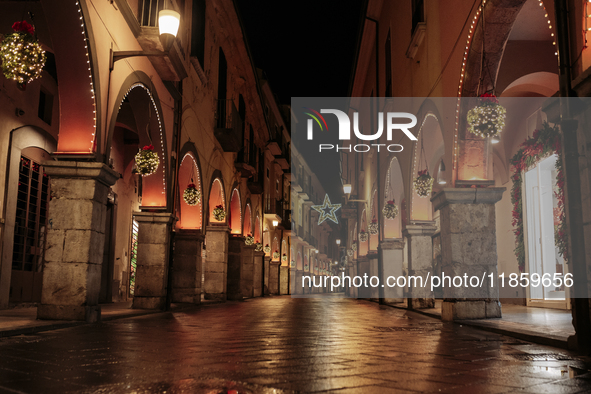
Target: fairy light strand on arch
<point x="92" y="93"/>
<point x="198" y="181"/>
<point x="416" y="155"/>
<point x="141" y="85"/>
<point x="462" y="74"/>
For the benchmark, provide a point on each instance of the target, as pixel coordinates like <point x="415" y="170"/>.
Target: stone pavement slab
<point x="280" y="344"/>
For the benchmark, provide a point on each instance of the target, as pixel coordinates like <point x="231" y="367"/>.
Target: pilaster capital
<point x="486" y="195"/>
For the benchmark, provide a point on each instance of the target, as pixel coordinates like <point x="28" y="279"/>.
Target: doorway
<point x="542" y="254"/>
<point x="29" y="228"/>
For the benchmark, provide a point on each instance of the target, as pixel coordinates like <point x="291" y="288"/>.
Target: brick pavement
<point x="270" y="345"/>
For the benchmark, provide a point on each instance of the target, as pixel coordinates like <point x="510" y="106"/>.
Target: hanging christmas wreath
<point x="487" y="119"/>
<point x="390" y="210"/>
<point x="543" y="143"/>
<point x="284" y="257"/>
<point x="292" y="263"/>
<point x="363" y="237"/>
<point x="275" y="255"/>
<point x="147" y="161"/>
<point x="219" y="213"/>
<point x="267" y="248"/>
<point x="249" y="240"/>
<point x="423" y="184"/>
<point x="306" y="267"/>
<point x="373" y="227"/>
<point x="350" y="252"/>
<point x="192" y="195"/>
<point x="22" y="56"/>
<point x="258" y="247"/>
<point x="354" y="246"/>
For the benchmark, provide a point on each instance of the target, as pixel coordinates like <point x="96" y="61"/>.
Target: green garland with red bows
<point x="543" y="143"/>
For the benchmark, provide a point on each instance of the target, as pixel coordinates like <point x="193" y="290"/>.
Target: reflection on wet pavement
<point x="279" y="344"/>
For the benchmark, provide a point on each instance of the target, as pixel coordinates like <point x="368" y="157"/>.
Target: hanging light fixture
<point x="168" y="27"/>
<point x="347" y="188"/>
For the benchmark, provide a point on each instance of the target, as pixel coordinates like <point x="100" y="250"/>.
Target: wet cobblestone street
<point x="283" y="344"/>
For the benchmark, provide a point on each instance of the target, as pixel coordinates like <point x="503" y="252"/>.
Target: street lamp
<point x="347" y="188"/>
<point x="275" y="223"/>
<point x="168" y="27"/>
<point x="338" y="241"/>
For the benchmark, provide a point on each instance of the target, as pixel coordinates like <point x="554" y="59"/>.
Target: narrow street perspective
<point x="268" y="196"/>
<point x="280" y="344"/>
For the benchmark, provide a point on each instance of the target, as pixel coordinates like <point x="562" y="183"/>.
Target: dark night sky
<point x="307" y="49"/>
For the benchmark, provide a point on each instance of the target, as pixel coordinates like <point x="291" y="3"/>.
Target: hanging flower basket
<point x="147" y="161"/>
<point x="284" y="257"/>
<point x="22" y="56"/>
<point x="363" y="237"/>
<point x="390" y="210"/>
<point x="350" y="252"/>
<point x="267" y="248"/>
<point x="373" y="227"/>
<point x="275" y="255"/>
<point x="258" y="247"/>
<point x="249" y="240"/>
<point x="423" y="183"/>
<point x="192" y="195"/>
<point x="219" y="213"/>
<point x="487" y="119"/>
<point x="354" y="246"/>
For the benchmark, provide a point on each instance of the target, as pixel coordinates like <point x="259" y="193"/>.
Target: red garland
<point x="391" y="202"/>
<point x="23" y="27"/>
<point x="423" y="172"/>
<point x="148" y="147"/>
<point x="191" y="185"/>
<point x="220" y="206"/>
<point x="489" y="98"/>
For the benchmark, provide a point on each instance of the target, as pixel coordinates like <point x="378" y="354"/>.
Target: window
<point x="198" y="31"/>
<point x="388" y="66"/>
<point x="418" y="13"/>
<point x="44" y="112"/>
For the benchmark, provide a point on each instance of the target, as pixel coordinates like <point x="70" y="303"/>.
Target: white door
<point x="541" y="218"/>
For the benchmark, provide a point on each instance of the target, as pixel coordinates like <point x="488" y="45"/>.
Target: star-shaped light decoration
<point x="327" y="211"/>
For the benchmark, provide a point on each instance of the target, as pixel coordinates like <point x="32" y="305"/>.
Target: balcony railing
<point x="228" y="130"/>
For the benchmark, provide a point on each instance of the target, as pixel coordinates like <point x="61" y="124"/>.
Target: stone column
<point x="283" y="279"/>
<point x="363" y="269"/>
<point x="186" y="268"/>
<point x="75" y="240"/>
<point x="469" y="247"/>
<point x="274" y="277"/>
<point x="153" y="245"/>
<point x="247" y="278"/>
<point x="296" y="282"/>
<point x="258" y="273"/>
<point x="215" y="267"/>
<point x="351" y="272"/>
<point x="420" y="263"/>
<point x="235" y="268"/>
<point x="292" y="276"/>
<point x="267" y="264"/>
<point x="392" y="255"/>
<point x="374" y="293"/>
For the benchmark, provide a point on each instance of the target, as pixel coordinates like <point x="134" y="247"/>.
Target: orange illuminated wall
<point x="190" y="215"/>
<point x="247" y="225"/>
<point x="257" y="230"/>
<point x="216" y="197"/>
<point x="235" y="213"/>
